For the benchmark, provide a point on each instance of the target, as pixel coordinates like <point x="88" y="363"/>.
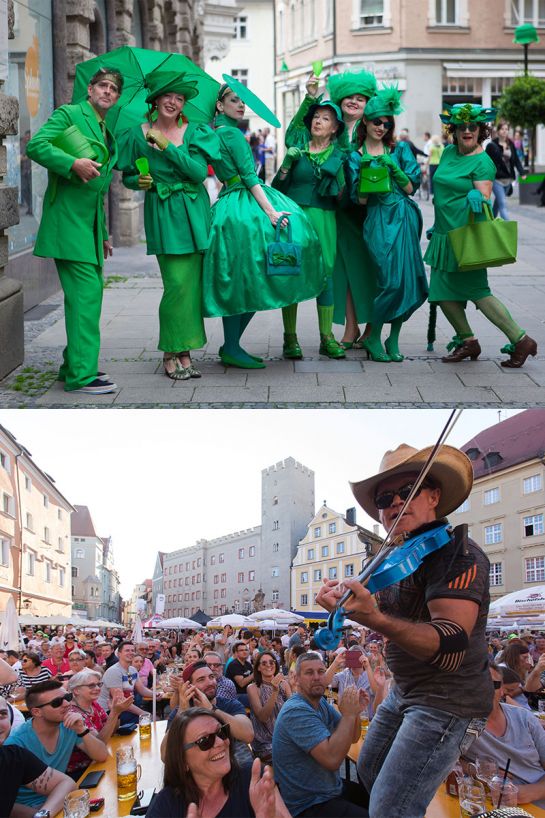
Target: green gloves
<point x="386" y="161"/>
<point x="156" y="137"/>
<point x="292" y="155"/>
<point x="475" y="200"/>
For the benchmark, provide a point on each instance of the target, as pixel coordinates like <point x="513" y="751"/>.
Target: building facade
<point x="506" y="508"/>
<point x="248" y="569"/>
<point x="334" y="547"/>
<point x="95" y="581"/>
<point x="35" y="554"/>
<point x="436" y="51"/>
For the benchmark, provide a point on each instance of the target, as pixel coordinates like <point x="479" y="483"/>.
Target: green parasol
<point x="134" y="64"/>
<point x="252" y="101"/>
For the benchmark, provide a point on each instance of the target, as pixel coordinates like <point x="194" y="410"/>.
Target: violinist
<point x="435" y="621"/>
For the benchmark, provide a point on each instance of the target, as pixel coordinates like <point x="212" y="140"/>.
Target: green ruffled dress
<point x="177" y="225"/>
<point x="235" y="265"/>
<point x="391" y="233"/>
<point x="452" y="181"/>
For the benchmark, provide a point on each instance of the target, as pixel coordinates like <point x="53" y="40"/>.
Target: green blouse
<point x="236" y="164"/>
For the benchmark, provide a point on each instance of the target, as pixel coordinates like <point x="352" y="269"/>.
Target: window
<point x="216" y="593"/>
<point x="241" y="553"/>
<point x="186" y="596"/>
<point x="31" y="563"/>
<point x="74" y="572"/>
<point x="29" y="521"/>
<point x="237" y="605"/>
<point x="275" y="547"/>
<point x="28" y="483"/>
<point x="8" y="504"/>
<point x="318" y="575"/>
<point x="528" y="11"/>
<point x="213" y="559"/>
<point x="275" y="596"/>
<point x="241" y="576"/>
<point x="310" y="554"/>
<point x="318" y="531"/>
<point x="60" y="545"/>
<point x="332" y="528"/>
<point x="371" y="12"/>
<point x="46" y="501"/>
<point x="492" y="534"/>
<point x="59" y="514"/>
<point x="491" y="496"/>
<point x="241" y="28"/>
<point x="4" y="551"/>
<point x="275" y="525"/>
<point x="535" y="569"/>
<point x="492" y="459"/>
<point x="251" y="576"/>
<point x="251" y="551"/>
<point x="79" y="554"/>
<point x="47" y="571"/>
<point x="46" y="534"/>
<point x="304" y="599"/>
<point x="275" y="571"/>
<point x="240" y="74"/>
<point x="221" y="558"/>
<point x="325" y="550"/>
<point x="304" y="576"/>
<point x="5" y="462"/>
<point x="445" y="12"/>
<point x="339" y="548"/>
<point x="496" y="573"/>
<point x="531" y="484"/>
<point x="62" y="575"/>
<point x="349" y="570"/>
<point x="332" y="573"/>
<point x="464" y="507"/>
<point x="533" y="525"/>
<point x="275" y="501"/>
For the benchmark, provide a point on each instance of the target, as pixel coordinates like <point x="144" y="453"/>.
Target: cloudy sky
<point x="161" y="479"/>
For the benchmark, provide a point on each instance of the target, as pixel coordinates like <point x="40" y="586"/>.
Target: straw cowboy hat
<point x="451" y="470"/>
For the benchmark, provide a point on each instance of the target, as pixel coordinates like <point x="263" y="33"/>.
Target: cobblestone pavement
<point x="130" y="357"/>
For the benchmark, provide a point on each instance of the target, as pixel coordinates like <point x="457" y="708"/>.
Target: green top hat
<point x="462" y="113"/>
<point x="169" y="82"/>
<point x="386" y="102"/>
<point x="326" y="103"/>
<point x="348" y="83"/>
<point x="525" y="34"/>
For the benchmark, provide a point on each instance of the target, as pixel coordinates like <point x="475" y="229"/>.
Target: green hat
<point x="386" y="102"/>
<point x="348" y="83"/>
<point x="526" y="34"/>
<point x="326" y="103"/>
<point x="462" y="113"/>
<point x="169" y="82"/>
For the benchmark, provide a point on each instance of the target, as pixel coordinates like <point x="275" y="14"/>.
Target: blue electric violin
<point x="393" y="562"/>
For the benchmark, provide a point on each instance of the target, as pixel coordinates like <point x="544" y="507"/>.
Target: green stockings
<point x="498" y="314"/>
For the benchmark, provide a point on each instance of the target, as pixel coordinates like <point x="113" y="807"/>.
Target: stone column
<point x="11" y="291"/>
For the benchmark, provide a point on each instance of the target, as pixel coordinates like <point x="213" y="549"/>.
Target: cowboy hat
<point x="451" y="470"/>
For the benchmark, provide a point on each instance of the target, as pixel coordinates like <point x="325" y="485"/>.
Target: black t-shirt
<point x="167" y="804"/>
<point x="236" y="668"/>
<point x="18" y="767"/>
<point x="459" y="570"/>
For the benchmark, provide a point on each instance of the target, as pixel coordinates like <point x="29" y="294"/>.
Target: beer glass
<point x="144" y="726"/>
<point x="471" y="797"/>
<point x="128" y="773"/>
<point x="364" y="722"/>
<point x="508" y="791"/>
<point x="76" y="804"/>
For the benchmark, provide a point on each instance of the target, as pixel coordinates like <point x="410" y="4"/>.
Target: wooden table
<point x="147" y="754"/>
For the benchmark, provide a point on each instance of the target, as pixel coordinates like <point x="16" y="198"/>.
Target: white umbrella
<point x="235" y="620"/>
<point x="10" y="632"/>
<point x="527" y="601"/>
<point x="180" y="622"/>
<point x="270" y="625"/>
<point x="279" y="615"/>
<point x="156" y="621"/>
<point x="137" y="634"/>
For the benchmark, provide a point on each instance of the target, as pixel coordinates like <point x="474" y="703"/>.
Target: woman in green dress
<point x="236" y="278"/>
<point x="464" y="180"/>
<point x="176" y="210"/>
<point x="312" y="175"/>
<point x="393" y="225"/>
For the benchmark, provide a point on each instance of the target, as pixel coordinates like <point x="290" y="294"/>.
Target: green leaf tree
<point x="523" y="104"/>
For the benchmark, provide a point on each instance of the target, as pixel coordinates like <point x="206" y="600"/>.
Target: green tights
<point x="491" y="307"/>
<point x="374" y="343"/>
<point x="324" y="305"/>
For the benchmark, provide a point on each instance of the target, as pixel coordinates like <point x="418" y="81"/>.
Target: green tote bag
<point x="489" y="243"/>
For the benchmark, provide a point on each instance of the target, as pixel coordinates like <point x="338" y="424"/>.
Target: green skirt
<point x="353" y="267"/>
<point x="448" y="282"/>
<point x="235" y="278"/>
<point x="181" y="325"/>
<point x="325" y="226"/>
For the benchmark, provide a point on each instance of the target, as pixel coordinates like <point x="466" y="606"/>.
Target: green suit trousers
<point x="83" y="284"/>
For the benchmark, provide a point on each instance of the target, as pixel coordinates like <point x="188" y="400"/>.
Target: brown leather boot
<point x="519" y="352"/>
<point x="469" y="349"/>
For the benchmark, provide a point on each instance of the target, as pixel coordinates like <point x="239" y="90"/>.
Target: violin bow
<point x="386" y="546"/>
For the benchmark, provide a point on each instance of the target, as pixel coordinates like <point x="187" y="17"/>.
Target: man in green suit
<point x="73" y="226"/>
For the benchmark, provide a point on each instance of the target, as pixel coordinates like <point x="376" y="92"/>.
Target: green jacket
<point x="73" y="224"/>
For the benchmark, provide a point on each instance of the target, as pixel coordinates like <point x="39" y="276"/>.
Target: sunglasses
<point x="386" y="498"/>
<point x="496" y="684"/>
<point x="205" y="743"/>
<point x="57" y="702"/>
<point x="386" y="125"/>
<point x="214" y="664"/>
<point x="468" y="126"/>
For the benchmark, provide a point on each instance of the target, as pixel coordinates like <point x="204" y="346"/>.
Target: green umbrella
<point x="252" y="101"/>
<point x="134" y="64"/>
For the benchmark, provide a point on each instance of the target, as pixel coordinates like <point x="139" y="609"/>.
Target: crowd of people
<point x="344" y="192"/>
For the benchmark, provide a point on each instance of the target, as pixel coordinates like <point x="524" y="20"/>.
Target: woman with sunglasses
<point x="202" y="777"/>
<point x="33" y="672"/>
<point x="463" y="184"/>
<point x="392" y="228"/>
<point x="267" y="694"/>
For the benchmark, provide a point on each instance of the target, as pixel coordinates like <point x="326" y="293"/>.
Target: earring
<point x="154" y="115"/>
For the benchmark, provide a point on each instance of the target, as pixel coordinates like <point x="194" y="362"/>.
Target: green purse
<point x="283" y="257"/>
<point x="374" y="180"/>
<point x="489" y="243"/>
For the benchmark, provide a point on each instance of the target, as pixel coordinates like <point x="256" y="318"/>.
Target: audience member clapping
<point x="123" y="677"/>
<point x="267" y="694"/>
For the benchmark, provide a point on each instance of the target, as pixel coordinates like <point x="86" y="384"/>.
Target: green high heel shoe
<point x="355" y="344"/>
<point x="393" y="352"/>
<point x="374" y="354"/>
<point x="291" y="349"/>
<point x="230" y="360"/>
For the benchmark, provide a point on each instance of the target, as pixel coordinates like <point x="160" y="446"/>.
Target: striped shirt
<point x="42" y="676"/>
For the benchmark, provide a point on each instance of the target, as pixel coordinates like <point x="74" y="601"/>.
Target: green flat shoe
<point x="230" y="360"/>
<point x="394" y="354"/>
<point x="375" y="354"/>
<point x="291" y="349"/>
<point x="331" y="347"/>
<point x="255" y="357"/>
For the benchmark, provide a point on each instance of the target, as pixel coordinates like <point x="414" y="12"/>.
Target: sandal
<point x="191" y="368"/>
<point x="180" y="373"/>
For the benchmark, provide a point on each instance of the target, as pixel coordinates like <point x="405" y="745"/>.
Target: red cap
<point x="188" y="672"/>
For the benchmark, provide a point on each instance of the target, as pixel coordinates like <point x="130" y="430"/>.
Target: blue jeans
<point x="408" y="752"/>
<point x="500" y="201"/>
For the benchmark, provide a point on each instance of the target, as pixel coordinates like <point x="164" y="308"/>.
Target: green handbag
<point x="374" y="180"/>
<point x="283" y="257"/>
<point x="489" y="243"/>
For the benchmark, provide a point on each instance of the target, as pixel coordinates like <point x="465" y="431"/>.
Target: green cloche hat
<point x="164" y="82"/>
<point x="462" y="113"/>
<point x="348" y="83"/>
<point x="386" y="102"/>
<point x="326" y="103"/>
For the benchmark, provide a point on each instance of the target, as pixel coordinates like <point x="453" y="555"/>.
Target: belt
<point x="165" y="190"/>
<point x="234" y="180"/>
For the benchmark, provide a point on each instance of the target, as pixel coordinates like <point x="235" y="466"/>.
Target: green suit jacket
<point x="73" y="224"/>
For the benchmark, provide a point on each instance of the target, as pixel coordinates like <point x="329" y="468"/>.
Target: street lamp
<point x="524" y="36"/>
